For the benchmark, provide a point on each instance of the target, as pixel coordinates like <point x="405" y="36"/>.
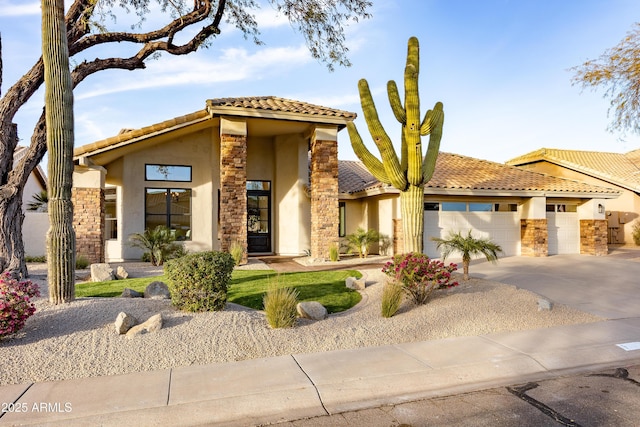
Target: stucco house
<point x="264" y="172"/>
<point x="527" y="213"/>
<point x="614" y="170"/>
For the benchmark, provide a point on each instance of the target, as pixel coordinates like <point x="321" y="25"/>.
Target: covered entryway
<point x="259" y="216"/>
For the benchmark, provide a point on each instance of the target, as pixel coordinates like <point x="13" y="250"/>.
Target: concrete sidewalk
<point x="283" y="388"/>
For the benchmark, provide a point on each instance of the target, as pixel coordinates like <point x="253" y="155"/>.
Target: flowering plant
<point x="419" y="275"/>
<point x="15" y="306"/>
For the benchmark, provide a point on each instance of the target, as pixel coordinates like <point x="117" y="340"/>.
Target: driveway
<point x="607" y="286"/>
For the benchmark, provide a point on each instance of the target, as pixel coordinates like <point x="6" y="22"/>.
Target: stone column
<point x="593" y="237"/>
<point x="534" y="237"/>
<point x="233" y="184"/>
<point x="87" y="196"/>
<point x="324" y="191"/>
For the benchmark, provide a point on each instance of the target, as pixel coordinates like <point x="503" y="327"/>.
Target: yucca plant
<point x="361" y="241"/>
<point x="39" y="202"/>
<point x="468" y="246"/>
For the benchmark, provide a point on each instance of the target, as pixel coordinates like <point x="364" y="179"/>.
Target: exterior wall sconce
<point x="600" y="208"/>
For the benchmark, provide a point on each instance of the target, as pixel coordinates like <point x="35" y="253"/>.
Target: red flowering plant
<point x="15" y="304"/>
<point x="419" y="275"/>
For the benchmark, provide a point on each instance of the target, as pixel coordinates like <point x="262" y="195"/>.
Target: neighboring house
<point x="36" y="182"/>
<point x="264" y="171"/>
<point x="527" y="213"/>
<point x="615" y="170"/>
<point x="36" y="224"/>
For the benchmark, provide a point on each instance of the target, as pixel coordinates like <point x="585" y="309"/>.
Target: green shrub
<point x="39" y="258"/>
<point x="82" y="262"/>
<point x="280" y="305"/>
<point x="636" y="233"/>
<point x="237" y="252"/>
<point x="334" y="252"/>
<point x="199" y="281"/>
<point x="392" y="294"/>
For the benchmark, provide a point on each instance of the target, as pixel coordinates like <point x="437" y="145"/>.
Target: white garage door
<point x="563" y="233"/>
<point x="502" y="228"/>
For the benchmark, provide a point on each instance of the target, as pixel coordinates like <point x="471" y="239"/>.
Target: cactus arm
<point x="370" y="161"/>
<point x="394" y="101"/>
<point x="435" y="135"/>
<point x="383" y="142"/>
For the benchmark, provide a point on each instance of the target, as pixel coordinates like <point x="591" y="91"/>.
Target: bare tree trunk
<point x="59" y="118"/>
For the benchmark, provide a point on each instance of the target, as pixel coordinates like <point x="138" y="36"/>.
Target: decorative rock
<point x="130" y="293"/>
<point x="153" y="324"/>
<point x="157" y="290"/>
<point x="311" y="310"/>
<point x="121" y="273"/>
<point x="101" y="272"/>
<point x="353" y="283"/>
<point x="124" y="322"/>
<point x="544" y="304"/>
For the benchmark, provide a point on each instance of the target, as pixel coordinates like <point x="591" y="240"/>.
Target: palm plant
<point x="361" y="241"/>
<point x="39" y="202"/>
<point x="159" y="243"/>
<point x="468" y="246"/>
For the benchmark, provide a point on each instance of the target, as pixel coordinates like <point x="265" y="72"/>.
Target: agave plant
<point x="468" y="246"/>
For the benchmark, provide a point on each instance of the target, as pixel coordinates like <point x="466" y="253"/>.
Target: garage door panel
<point x="563" y="233"/>
<point x="502" y="228"/>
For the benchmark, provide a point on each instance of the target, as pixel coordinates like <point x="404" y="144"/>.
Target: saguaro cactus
<point x="409" y="173"/>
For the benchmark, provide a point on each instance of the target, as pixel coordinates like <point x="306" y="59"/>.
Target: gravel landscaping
<point x="79" y="340"/>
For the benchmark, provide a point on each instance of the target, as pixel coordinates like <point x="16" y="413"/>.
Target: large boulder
<point x="130" y="293"/>
<point x="311" y="310"/>
<point x="353" y="283"/>
<point x="157" y="290"/>
<point x="121" y="273"/>
<point x="124" y="322"/>
<point x="153" y="324"/>
<point x="101" y="272"/>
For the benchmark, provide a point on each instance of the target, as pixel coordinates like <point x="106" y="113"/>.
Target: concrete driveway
<point x="606" y="286"/>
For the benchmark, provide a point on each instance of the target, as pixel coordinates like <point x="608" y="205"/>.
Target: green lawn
<point x="248" y="287"/>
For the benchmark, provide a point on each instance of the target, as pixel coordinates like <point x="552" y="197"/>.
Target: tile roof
<point x="616" y="168"/>
<point x="275" y="104"/>
<point x="456" y="172"/>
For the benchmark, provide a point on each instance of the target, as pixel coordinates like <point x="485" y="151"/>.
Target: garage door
<point x="563" y="233"/>
<point x="502" y="228"/>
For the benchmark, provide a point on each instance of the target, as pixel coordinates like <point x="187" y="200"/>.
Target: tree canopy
<point x="617" y="70"/>
<point x="178" y="27"/>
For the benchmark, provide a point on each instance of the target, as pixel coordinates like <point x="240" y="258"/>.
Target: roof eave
<point x="217" y="111"/>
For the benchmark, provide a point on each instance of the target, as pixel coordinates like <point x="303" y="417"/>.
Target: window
<point x="110" y="214"/>
<point x="454" y="206"/>
<point x="170" y="207"/>
<point x="342" y="225"/>
<point x="562" y="207"/>
<point x="480" y="207"/>
<point x="167" y="173"/>
<point x="432" y="206"/>
<point x="505" y="207"/>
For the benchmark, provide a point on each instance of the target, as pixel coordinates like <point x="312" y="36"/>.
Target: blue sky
<point x="501" y="68"/>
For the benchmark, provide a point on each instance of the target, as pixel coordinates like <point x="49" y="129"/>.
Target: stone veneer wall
<point x="534" y="237"/>
<point x="233" y="191"/>
<point x="593" y="237"/>
<point x="88" y="222"/>
<point x="324" y="197"/>
<point x="398" y="237"/>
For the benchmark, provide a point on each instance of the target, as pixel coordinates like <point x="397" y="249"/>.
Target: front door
<point x="258" y="216"/>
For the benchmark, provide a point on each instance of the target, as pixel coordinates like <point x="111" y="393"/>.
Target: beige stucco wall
<point x="626" y="207"/>
<point x="194" y="150"/>
<point x="291" y="207"/>
<point x="376" y="212"/>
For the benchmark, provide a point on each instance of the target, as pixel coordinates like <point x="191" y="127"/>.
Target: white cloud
<point x="234" y="65"/>
<point x="268" y="17"/>
<point x="9" y="9"/>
